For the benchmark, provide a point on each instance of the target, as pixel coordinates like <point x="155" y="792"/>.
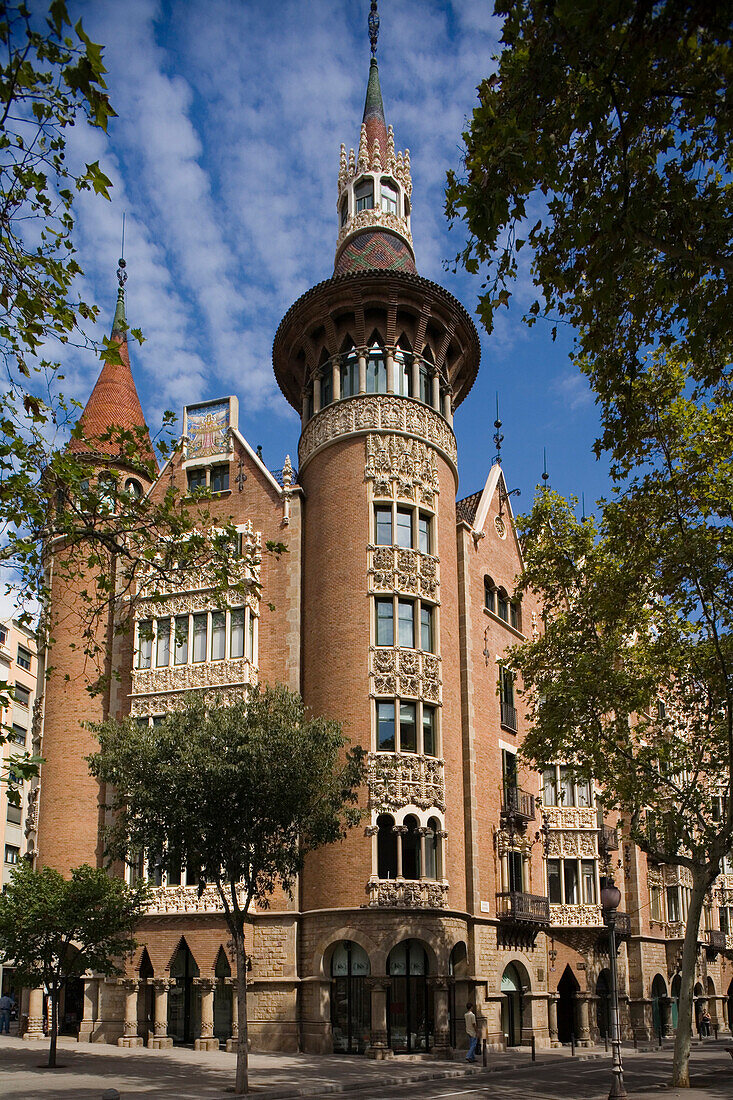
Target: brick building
<point x="393" y="611"/>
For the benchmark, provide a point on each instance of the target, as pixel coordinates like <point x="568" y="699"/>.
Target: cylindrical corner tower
<point x="375" y="360"/>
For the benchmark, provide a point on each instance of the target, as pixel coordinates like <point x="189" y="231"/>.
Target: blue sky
<point x="224" y="156"/>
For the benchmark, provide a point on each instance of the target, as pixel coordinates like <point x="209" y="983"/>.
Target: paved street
<point x="183" y="1074"/>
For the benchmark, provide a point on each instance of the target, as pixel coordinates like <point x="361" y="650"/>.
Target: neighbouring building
<point x="393" y="610"/>
<point x="19" y="670"/>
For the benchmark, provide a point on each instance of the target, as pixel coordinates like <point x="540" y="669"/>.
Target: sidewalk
<point x="183" y="1074"/>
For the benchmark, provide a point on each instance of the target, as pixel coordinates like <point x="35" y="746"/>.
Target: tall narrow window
<point x="218" y="635"/>
<point x="588" y="872"/>
<point x="403" y="374"/>
<point x="364" y="195"/>
<point x="343" y="212"/>
<point x="163" y="643"/>
<point x="376" y="380"/>
<point x="349" y="376"/>
<point x="250" y="651"/>
<point x="423" y="534"/>
<point x="144" y="644"/>
<point x="390" y="196"/>
<point x="236" y="644"/>
<point x="515" y="615"/>
<point x="516" y="873"/>
<point x="428" y="730"/>
<point x="181" y="640"/>
<point x="406" y="616"/>
<point x="426" y="629"/>
<point x="386" y="847"/>
<point x="549" y="787"/>
<point x="199" y="636"/>
<point x="385" y="726"/>
<point x="489" y="594"/>
<point x="570" y="879"/>
<point x="506" y="692"/>
<point x="554" y="886"/>
<point x="673" y="904"/>
<point x="411" y="849"/>
<point x="408" y="727"/>
<point x="383" y="526"/>
<point x="502" y="605"/>
<point x="326" y="385"/>
<point x="426" y="390"/>
<point x="404" y="528"/>
<point x="219" y="479"/>
<point x="385" y="622"/>
<point x="567" y="786"/>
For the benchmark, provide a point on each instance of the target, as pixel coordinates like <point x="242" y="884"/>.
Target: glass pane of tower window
<point x="343" y="212"/>
<point x="403" y="374"/>
<point x="250" y="650"/>
<point x="674" y="912"/>
<point x="404" y="528"/>
<point x="425" y="386"/>
<point x="570" y="877"/>
<point x="236" y="643"/>
<point x="326" y="385"/>
<point x="219" y="479"/>
<point x="350" y="376"/>
<point x="408" y="727"/>
<point x="515" y="616"/>
<point x="655" y="903"/>
<point x="389" y="197"/>
<point x="376" y="380"/>
<point x="385" y="726"/>
<point x="145" y="644"/>
<point x="428" y="730"/>
<point x="549" y="787"/>
<point x="588" y="871"/>
<point x="426" y="629"/>
<point x="196" y="479"/>
<point x="383" y="526"/>
<point x="199" y="636"/>
<point x="423" y="533"/>
<point x="364" y="195"/>
<point x="567" y="787"/>
<point x="181" y="640"/>
<point x="406" y="616"/>
<point x="554" y="886"/>
<point x="502" y="605"/>
<point x="385" y="622"/>
<point x="218" y="636"/>
<point x="163" y="643"/>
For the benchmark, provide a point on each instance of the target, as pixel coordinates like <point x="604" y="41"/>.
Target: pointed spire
<point x="114" y="402"/>
<point x="376" y="127"/>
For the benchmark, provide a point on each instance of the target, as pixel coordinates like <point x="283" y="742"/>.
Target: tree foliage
<point x="53" y="929"/>
<point x="242" y="793"/>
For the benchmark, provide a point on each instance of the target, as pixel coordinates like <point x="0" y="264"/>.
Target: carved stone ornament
<point x="576" y="916"/>
<point x="143" y="706"/>
<point x="396" y="780"/>
<point x="406" y="572"/>
<point x="506" y="842"/>
<point x="380" y="412"/>
<point x="375" y="217"/>
<point x="500" y="526"/>
<point x="411" y="894"/>
<point x="235" y="672"/>
<point x="677" y="876"/>
<point x="186" y="603"/>
<point x="405" y="672"/>
<point x="654" y="877"/>
<point x="244" y="570"/>
<point x="572" y="843"/>
<point x="185" y="899"/>
<point x="571" y="817"/>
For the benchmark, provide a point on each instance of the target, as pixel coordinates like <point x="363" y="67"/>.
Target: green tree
<point x="53" y="929"/>
<point x="243" y="792"/>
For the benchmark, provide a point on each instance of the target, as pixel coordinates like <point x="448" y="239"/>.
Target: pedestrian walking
<point x="470" y="1018"/>
<point x="6" y="1006"/>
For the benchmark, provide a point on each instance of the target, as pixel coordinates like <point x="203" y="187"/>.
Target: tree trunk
<point x="683" y="1038"/>
<point x="241" y="1084"/>
<point x="54" y="1026"/>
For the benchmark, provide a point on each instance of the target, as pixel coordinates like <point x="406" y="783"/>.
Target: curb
<point x="384" y="1082"/>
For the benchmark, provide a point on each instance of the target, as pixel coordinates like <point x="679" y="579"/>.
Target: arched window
<point x="133" y="488"/>
<point x="386" y="847"/>
<point x="489" y="594"/>
<point x="326" y="385"/>
<point x="502" y="604"/>
<point x="425" y="376"/>
<point x="364" y="195"/>
<point x="433" y="853"/>
<point x="411" y="848"/>
<point x="376" y="380"/>
<point x="515" y="614"/>
<point x="402" y="373"/>
<point x="350" y="375"/>
<point x="390" y="197"/>
<point x="350" y="998"/>
<point x="409" y="1005"/>
<point x="308" y="403"/>
<point x="343" y="211"/>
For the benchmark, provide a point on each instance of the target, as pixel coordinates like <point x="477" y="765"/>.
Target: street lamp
<point x="610" y="898"/>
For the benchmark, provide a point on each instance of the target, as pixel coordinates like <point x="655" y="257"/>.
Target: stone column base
<point x="86" y="1027"/>
<point x="160" y="1042"/>
<point x="33" y="1036"/>
<point x="206" y="1044"/>
<point x="443" y="1052"/>
<point x="130" y="1041"/>
<point x="380" y="1053"/>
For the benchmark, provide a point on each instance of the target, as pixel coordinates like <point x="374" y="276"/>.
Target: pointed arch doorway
<point x="567" y="989"/>
<point x="184" y="1002"/>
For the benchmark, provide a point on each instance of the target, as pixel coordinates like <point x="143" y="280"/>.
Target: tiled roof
<point x="466" y="508"/>
<point x="113" y="403"/>
<point x="375" y="249"/>
<point x="373" y="119"/>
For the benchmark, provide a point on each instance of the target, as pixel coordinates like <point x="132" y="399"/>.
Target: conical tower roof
<point x="114" y="403"/>
<point x="376" y="127"/>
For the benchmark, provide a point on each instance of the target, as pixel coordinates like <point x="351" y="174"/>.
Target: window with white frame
<point x="213" y="478"/>
<point x="12" y="853"/>
<point x="561" y="787"/>
<point x="21" y="695"/>
<point x="193" y="639"/>
<point x="24" y="658"/>
<point x="572" y="881"/>
<point x="364" y="195"/>
<point x="389" y="197"/>
<point x="409" y="624"/>
<point x="408" y="726"/>
<point x="409" y="528"/>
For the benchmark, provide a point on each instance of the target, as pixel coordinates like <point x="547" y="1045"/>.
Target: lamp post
<point x="610" y="898"/>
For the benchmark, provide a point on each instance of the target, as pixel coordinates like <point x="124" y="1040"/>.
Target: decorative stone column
<point x="130" y="1037"/>
<point x="640" y="1018"/>
<point x="362" y="369"/>
<point x="206" y="1040"/>
<point x="721" y="1014"/>
<point x="160" y="1039"/>
<point x="86" y="1025"/>
<point x="665" y="1017"/>
<point x="35" y="1016"/>
<point x="582" y="1019"/>
<point x="336" y="379"/>
<point x="535" y="1023"/>
<point x="435" y="392"/>
<point x="552" y="1020"/>
<point x="390" y="369"/>
<point x="491" y="1010"/>
<point x="378" y="1045"/>
<point x="441" y="1025"/>
<point x="232" y="1043"/>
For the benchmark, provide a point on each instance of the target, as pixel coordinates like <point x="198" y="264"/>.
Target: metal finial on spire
<point x="498" y="437"/>
<point x="583" y="518"/>
<point x="374" y="27"/>
<point x="121" y="263"/>
<point x="545" y="475"/>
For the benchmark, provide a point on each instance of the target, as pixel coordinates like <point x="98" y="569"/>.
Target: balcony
<point x="714" y="941"/>
<point x="508" y="716"/>
<point x="523" y="908"/>
<point x="517" y="804"/>
<point x="608" y="840"/>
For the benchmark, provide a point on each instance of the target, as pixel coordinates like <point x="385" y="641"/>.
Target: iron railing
<point x="518" y="803"/>
<point x="715" y="939"/>
<point x="509" y="716"/>
<point x="527" y="908"/>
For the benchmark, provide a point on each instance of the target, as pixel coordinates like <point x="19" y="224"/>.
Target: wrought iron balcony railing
<point x="715" y="939"/>
<point x="523" y="908"/>
<point x="517" y="803"/>
<point x="509" y="716"/>
<point x="609" y="838"/>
